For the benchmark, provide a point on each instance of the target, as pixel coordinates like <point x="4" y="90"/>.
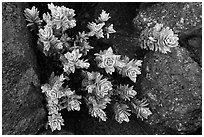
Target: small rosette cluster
<point x="125" y="92"/>
<point x="53" y="37"/>
<point x="71" y="61"/>
<point x="97" y="106"/>
<point x="82" y="43"/>
<point x="59" y="98"/>
<point x="99" y="28"/>
<point x="121" y="109"/>
<point x="158" y="38"/>
<point x="139" y="107"/>
<point x="32" y="16"/>
<point x="99" y="91"/>
<point x="61" y="17"/>
<point x="49" y="40"/>
<point x="129" y="68"/>
<point x="122" y="112"/>
<point x="109" y="61"/>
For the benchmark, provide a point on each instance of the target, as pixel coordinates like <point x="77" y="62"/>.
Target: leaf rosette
<point x="107" y="60"/>
<point x="126" y="92"/>
<point x="71" y="61"/>
<point x="103" y="87"/>
<point x="55" y="121"/>
<point x="103" y="17"/>
<point x="159" y="38"/>
<point x="121" y="112"/>
<point x="140" y="108"/>
<point x="32" y="16"/>
<point x="96" y="29"/>
<point x="96" y="109"/>
<point x="132" y="69"/>
<point x="62" y="17"/>
<point x="168" y="38"/>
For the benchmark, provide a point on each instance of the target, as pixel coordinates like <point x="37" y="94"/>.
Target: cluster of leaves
<point x="158" y="38"/>
<point x="98" y="96"/>
<point x="96" y="90"/>
<point x="110" y="61"/>
<point x="59" y="98"/>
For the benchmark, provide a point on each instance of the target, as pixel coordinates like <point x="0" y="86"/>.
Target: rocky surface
<point x="192" y="41"/>
<point x="172" y="85"/>
<point x="180" y="16"/>
<point x="22" y="109"/>
<point x="49" y="132"/>
<point x="172" y="82"/>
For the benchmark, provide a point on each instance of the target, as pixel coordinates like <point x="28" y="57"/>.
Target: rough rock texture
<point x="22" y="109"/>
<point x="192" y="41"/>
<point x="56" y="132"/>
<point x="172" y="84"/>
<point x="180" y="16"/>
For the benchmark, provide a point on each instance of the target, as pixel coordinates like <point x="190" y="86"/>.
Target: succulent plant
<point x="140" y="108"/>
<point x="126" y="92"/>
<point x="71" y="61"/>
<point x="96" y="89"/>
<point x="121" y="112"/>
<point x="159" y="38"/>
<point x="107" y="60"/>
<point x="32" y="16"/>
